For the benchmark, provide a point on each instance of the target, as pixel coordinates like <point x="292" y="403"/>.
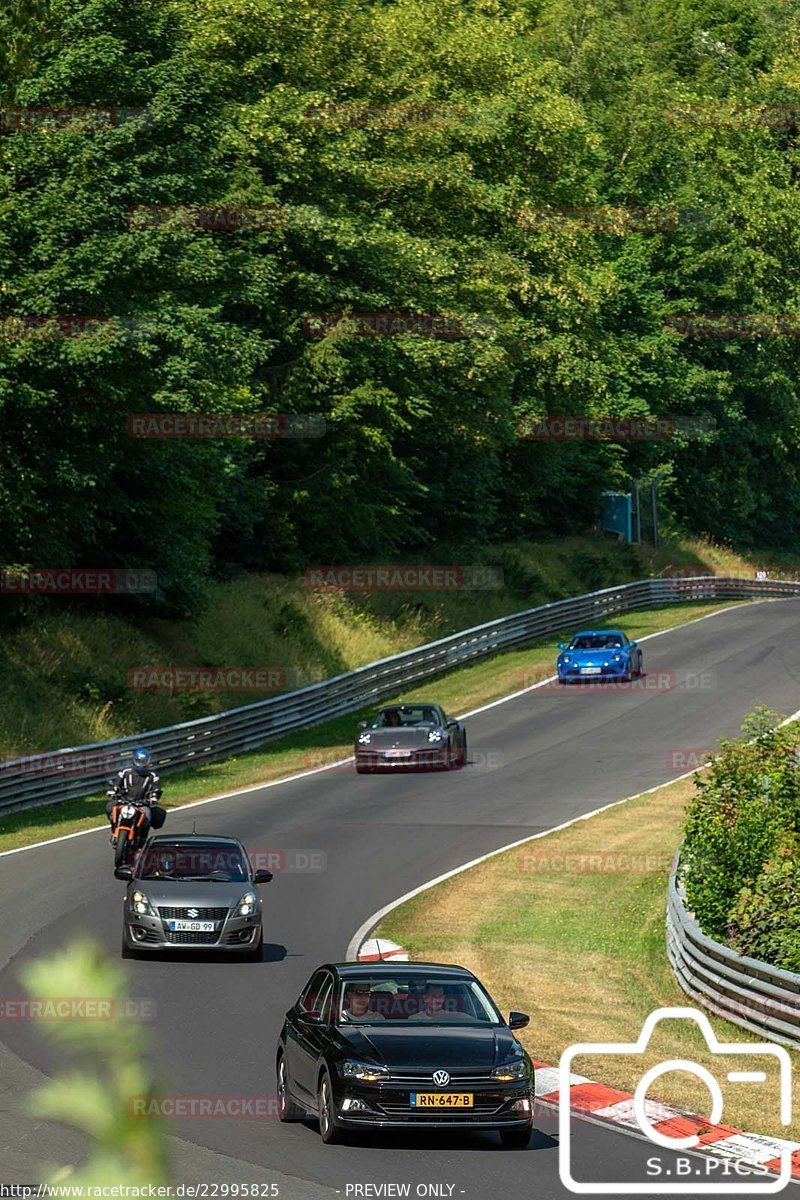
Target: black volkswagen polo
<point x="406" y="1046"/>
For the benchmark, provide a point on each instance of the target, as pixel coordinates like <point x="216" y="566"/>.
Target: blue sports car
<point x="599" y="654"/>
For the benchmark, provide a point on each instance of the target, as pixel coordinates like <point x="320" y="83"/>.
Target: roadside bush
<point x="744" y="810"/>
<point x="765" y="921"/>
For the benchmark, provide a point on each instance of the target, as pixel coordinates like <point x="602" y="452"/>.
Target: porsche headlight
<point x="364" y="739"/>
<point x="516" y="1069"/>
<point x="140" y="904"/>
<point x="617" y="658"/>
<point x="435" y="735"/>
<point x="362" y="1072"/>
<point x="565" y="658"/>
<point x="247" y="905"/>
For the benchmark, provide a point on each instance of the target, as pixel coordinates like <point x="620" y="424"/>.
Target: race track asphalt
<point x="536" y="761"/>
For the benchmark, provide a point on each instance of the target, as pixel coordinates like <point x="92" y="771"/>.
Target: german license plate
<point x="398" y="754"/>
<point x="441" y="1099"/>
<point x="591" y="670"/>
<point x="191" y="926"/>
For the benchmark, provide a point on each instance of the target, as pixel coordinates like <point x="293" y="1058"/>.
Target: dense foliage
<point x="740" y="861"/>
<point x="554" y="103"/>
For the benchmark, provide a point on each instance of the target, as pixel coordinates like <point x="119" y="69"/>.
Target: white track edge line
<point x="256" y="787"/>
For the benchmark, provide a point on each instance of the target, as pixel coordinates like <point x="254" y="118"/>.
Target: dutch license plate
<point x="398" y="753"/>
<point x="191" y="926"/>
<point x="441" y="1099"/>
<point x="591" y="670"/>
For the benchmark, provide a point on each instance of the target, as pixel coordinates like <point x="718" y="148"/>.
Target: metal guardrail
<point x="77" y="771"/>
<point x="763" y="999"/>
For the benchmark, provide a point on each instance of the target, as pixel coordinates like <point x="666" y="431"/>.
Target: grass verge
<point x="570" y="928"/>
<point x="458" y="691"/>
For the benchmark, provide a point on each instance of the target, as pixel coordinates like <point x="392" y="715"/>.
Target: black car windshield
<point x="194" y="861"/>
<point x="596" y="641"/>
<point x="415" y="1000"/>
<point x="407" y="714"/>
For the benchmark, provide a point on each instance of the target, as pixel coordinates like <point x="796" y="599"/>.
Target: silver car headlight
<point x="364" y="739"/>
<point x="360" y="1072"/>
<point x="247" y="905"/>
<point x="516" y="1069"/>
<point x="435" y="735"/>
<point x="140" y="904"/>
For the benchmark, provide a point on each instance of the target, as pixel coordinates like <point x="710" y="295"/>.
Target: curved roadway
<point x="537" y="760"/>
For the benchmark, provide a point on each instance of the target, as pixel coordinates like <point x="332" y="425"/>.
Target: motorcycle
<point x="129" y="825"/>
<point x="128" y="829"/>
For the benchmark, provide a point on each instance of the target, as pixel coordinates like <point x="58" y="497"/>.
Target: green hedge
<point x="740" y="861"/>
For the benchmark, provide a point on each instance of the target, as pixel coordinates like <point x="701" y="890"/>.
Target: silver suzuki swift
<point x="192" y="892"/>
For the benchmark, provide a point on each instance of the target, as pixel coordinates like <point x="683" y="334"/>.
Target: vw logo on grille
<point x="192" y="912"/>
<point x="441" y="1078"/>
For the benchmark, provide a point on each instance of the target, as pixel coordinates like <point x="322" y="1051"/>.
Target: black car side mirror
<point x="518" y="1020"/>
<point x="262" y="877"/>
<point x="309" y="1018"/>
<point x="123" y="872"/>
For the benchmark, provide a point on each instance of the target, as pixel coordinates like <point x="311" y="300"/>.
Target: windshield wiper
<point x="206" y="879"/>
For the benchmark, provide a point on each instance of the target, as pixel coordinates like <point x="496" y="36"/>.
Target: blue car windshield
<point x="596" y="641"/>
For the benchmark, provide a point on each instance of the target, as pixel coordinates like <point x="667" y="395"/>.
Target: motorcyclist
<point x="138" y="784"/>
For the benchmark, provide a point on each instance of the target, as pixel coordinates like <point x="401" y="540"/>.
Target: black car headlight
<point x="360" y="1072"/>
<point x="517" y="1069"/>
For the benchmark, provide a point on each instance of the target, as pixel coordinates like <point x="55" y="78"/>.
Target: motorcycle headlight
<point x="247" y="905"/>
<point x="516" y="1069"/>
<point x="435" y="735"/>
<point x="364" y="739"/>
<point x="359" y="1072"/>
<point x="140" y="904"/>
